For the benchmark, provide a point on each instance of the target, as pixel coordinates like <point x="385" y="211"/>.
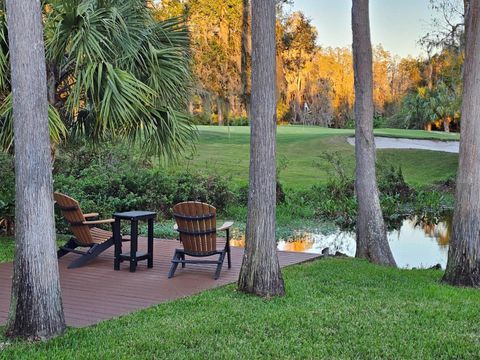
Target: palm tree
<point x="112" y="71"/>
<point x="36" y="310"/>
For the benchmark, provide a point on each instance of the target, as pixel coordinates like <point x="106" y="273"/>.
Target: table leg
<point x="133" y="245"/>
<point x="228" y="249"/>
<point x="150" y="243"/>
<point x="117" y="239"/>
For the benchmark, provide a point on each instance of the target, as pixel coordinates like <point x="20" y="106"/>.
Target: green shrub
<point x="201" y="119"/>
<point x="379" y="121"/>
<point x="337" y="202"/>
<point x="112" y="178"/>
<point x="239" y="121"/>
<point x="7" y="189"/>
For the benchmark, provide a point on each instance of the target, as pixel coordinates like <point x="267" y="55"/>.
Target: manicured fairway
<point x="226" y="151"/>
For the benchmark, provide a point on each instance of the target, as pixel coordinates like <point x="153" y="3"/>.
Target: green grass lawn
<point x="7" y="246"/>
<point x="226" y="151"/>
<point x="335" y="308"/>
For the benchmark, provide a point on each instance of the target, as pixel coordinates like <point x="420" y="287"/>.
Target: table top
<point x="135" y="215"/>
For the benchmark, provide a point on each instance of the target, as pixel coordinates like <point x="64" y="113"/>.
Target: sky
<point x="396" y="24"/>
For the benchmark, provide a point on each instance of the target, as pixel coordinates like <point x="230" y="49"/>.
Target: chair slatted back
<point x="72" y="212"/>
<point x="197" y="223"/>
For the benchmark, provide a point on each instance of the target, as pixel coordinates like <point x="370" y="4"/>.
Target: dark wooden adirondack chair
<point x="84" y="233"/>
<point x="196" y="224"/>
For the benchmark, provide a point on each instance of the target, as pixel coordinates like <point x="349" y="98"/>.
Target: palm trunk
<point x="36" y="310"/>
<point x="246" y="53"/>
<point x="260" y="273"/>
<point x="463" y="266"/>
<point x="372" y="243"/>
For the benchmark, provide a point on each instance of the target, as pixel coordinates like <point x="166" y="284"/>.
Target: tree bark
<point x="190" y="107"/>
<point x="36" y="310"/>
<point x="260" y="273"/>
<point x="246" y="55"/>
<point x="220" y="111"/>
<point x="463" y="266"/>
<point x="446" y="124"/>
<point x="372" y="243"/>
<point x="207" y="106"/>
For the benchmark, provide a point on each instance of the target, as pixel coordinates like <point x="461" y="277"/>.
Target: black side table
<point x="133" y="256"/>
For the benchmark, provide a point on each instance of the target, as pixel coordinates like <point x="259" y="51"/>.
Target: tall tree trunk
<point x="372" y="243"/>
<point x="190" y="107"/>
<point x="260" y="273"/>
<point x="446" y="124"/>
<point x="220" y="110"/>
<point x="246" y="55"/>
<point x="207" y="106"/>
<point x="36" y="310"/>
<point x="463" y="266"/>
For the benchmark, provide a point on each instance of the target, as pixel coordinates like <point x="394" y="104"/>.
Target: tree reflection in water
<point x="419" y="241"/>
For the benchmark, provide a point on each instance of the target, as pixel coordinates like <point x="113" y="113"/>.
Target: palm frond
<point x="58" y="131"/>
<point x="118" y="72"/>
<point x="4" y="56"/>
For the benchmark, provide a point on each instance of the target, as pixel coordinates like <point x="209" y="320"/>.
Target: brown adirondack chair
<point x="196" y="224"/>
<point x="84" y="233"/>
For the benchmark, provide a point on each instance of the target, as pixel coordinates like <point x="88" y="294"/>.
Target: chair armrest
<point x="227" y="225"/>
<point x="91" y="215"/>
<point x="97" y="222"/>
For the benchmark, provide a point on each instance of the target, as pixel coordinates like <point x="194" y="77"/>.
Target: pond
<point x="420" y="242"/>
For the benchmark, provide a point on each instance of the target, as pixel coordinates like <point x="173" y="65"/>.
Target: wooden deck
<point x="110" y="293"/>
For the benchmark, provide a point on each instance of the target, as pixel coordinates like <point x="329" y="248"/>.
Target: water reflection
<point x="420" y="242"/>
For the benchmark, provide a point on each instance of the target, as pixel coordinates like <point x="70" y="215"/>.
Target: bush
<point x="7" y="191"/>
<point x="337" y="201"/>
<point x="110" y="179"/>
<point x="239" y="121"/>
<point x="201" y="119"/>
<point x="379" y="121"/>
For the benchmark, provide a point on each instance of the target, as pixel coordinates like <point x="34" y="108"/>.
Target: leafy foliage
<point x="7" y="188"/>
<point x="336" y="201"/>
<point x="111" y="178"/>
<point x="440" y="106"/>
<point x="113" y="71"/>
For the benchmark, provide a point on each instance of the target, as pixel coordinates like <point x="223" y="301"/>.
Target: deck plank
<point x="110" y="293"/>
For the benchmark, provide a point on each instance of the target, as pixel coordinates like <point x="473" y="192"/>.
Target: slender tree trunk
<point x="260" y="273"/>
<point x="446" y="124"/>
<point x="463" y="266"/>
<point x="190" y="107"/>
<point x="51" y="85"/>
<point x="246" y="55"/>
<point x="36" y="310"/>
<point x="372" y="243"/>
<point x="220" y="111"/>
<point x="207" y="106"/>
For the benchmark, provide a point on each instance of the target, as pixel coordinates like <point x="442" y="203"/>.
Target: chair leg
<point x="94" y="251"/>
<point x="173" y="268"/>
<point x="183" y="258"/>
<point x="219" y="266"/>
<point x="71" y="244"/>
